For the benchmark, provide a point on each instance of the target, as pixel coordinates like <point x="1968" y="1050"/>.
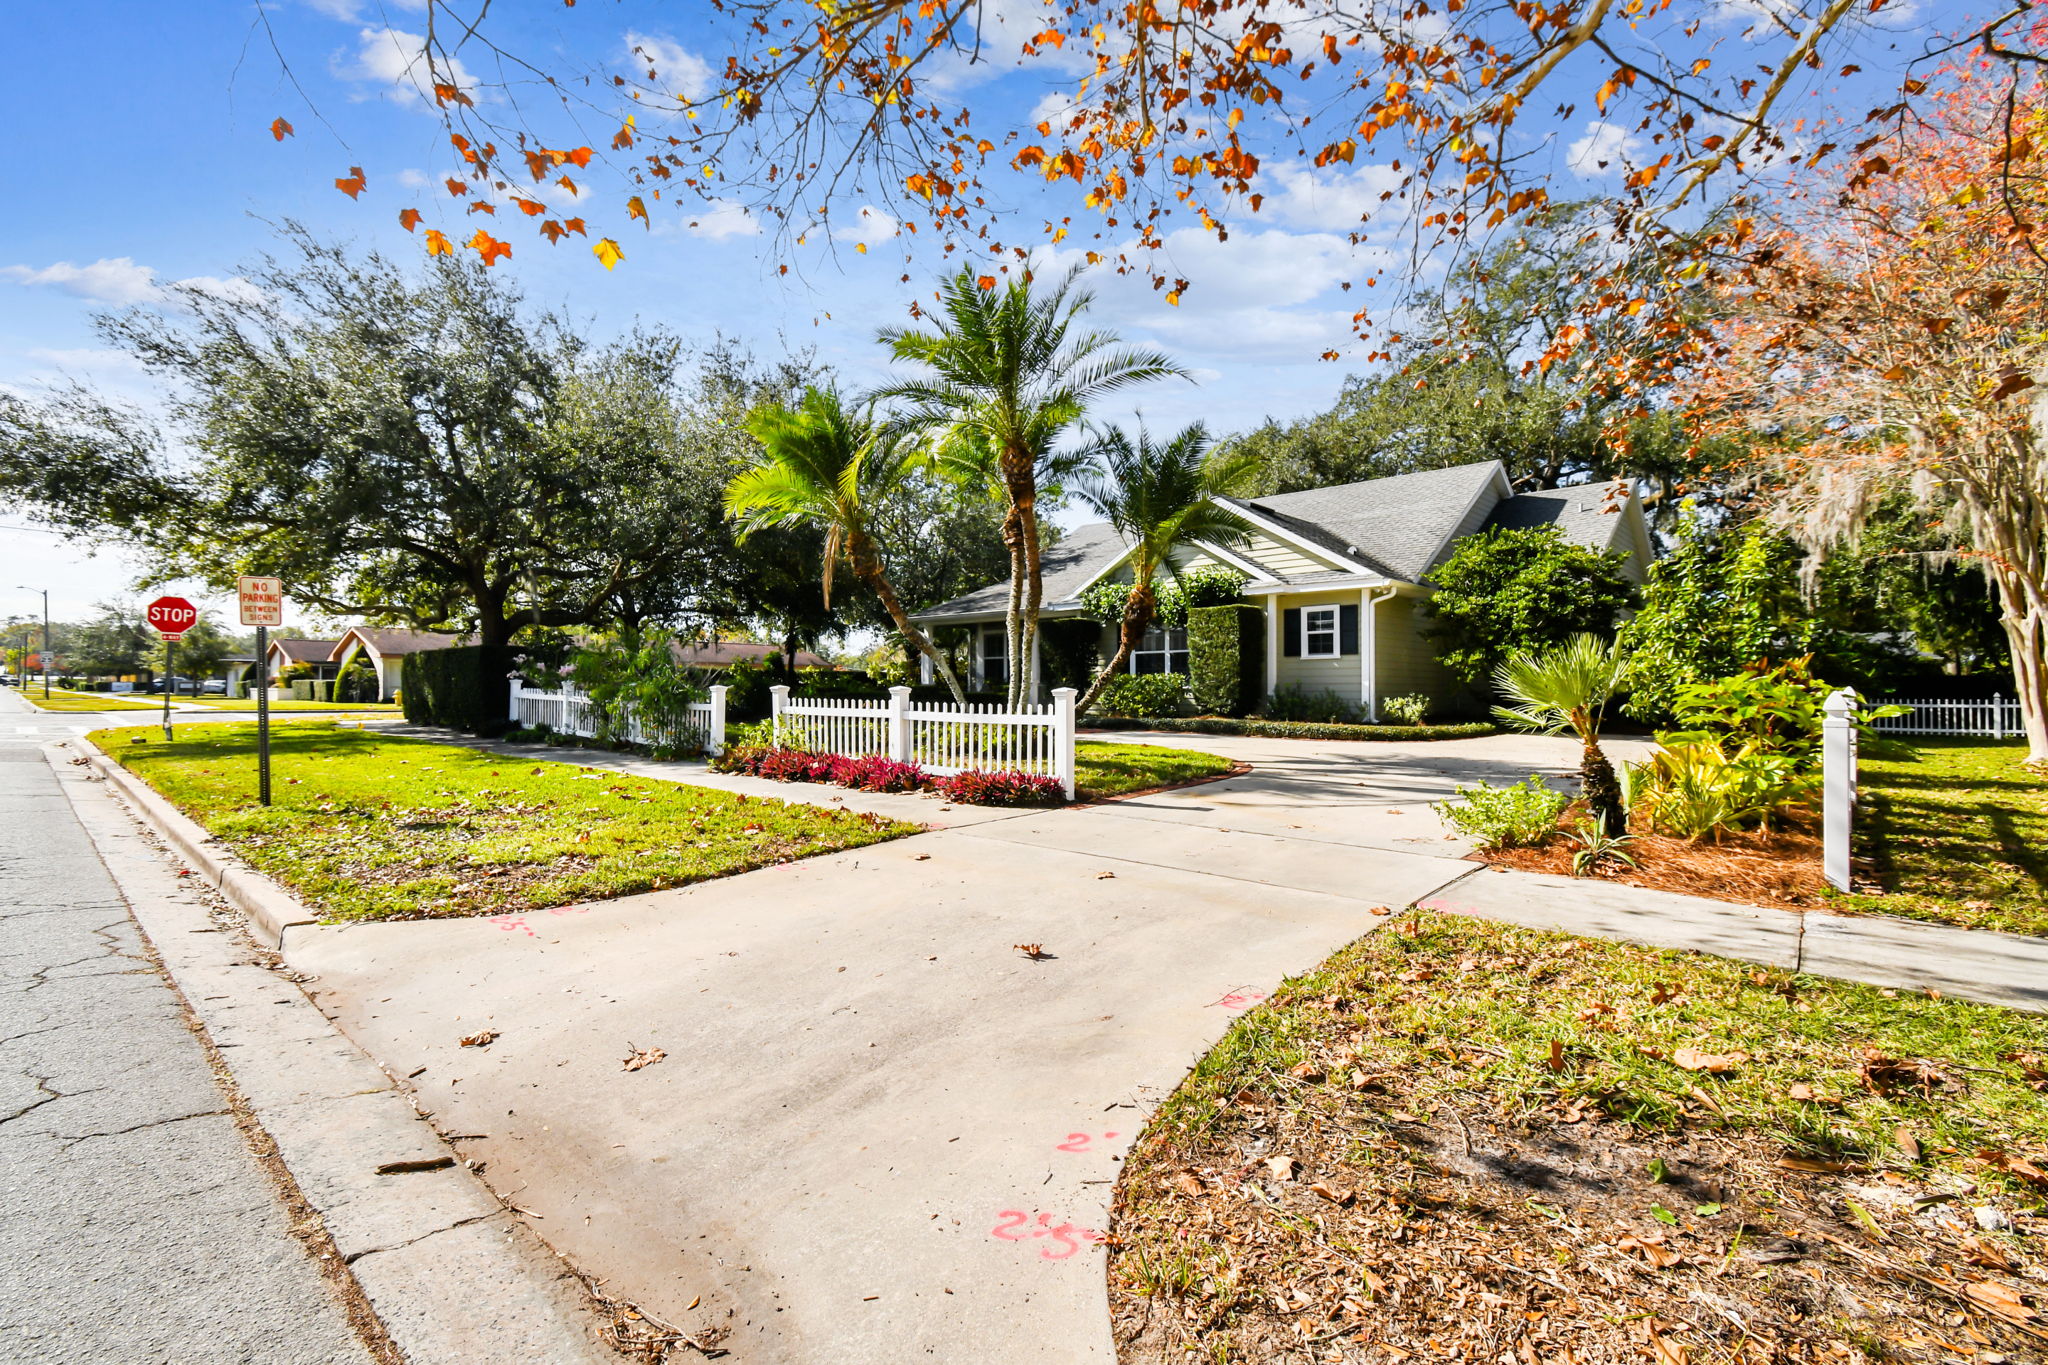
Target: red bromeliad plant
<point x="1890" y="330"/>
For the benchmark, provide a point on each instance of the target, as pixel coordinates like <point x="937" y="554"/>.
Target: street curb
<point x="270" y="908"/>
<point x="450" y="1271"/>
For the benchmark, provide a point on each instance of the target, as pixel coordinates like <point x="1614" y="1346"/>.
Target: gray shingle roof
<point x="1396" y="524"/>
<point x="1067" y="567"/>
<point x="1585" y="513"/>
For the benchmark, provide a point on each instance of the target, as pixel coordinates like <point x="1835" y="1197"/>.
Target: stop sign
<point x="172" y="616"/>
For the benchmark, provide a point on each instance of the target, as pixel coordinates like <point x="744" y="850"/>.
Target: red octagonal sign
<point x="172" y="616"/>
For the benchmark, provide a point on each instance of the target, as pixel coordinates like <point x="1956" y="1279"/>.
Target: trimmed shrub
<point x="1522" y="815"/>
<point x="1226" y="657"/>
<point x="1323" y="707"/>
<point x="1412" y="709"/>
<point x="977" y="788"/>
<point x="463" y="688"/>
<point x="1282" y="729"/>
<point x="1144" y="694"/>
<point x="876" y="773"/>
<point x="747" y="682"/>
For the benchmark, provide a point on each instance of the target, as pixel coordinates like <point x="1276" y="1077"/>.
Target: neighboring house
<point x="385" y="648"/>
<point x="725" y="653"/>
<point x="315" y="654"/>
<point x="1338" y="571"/>
<point x="235" y="671"/>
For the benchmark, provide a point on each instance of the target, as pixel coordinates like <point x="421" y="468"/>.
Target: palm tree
<point x="1007" y="373"/>
<point x="1160" y="498"/>
<point x="1567" y="688"/>
<point x="824" y="466"/>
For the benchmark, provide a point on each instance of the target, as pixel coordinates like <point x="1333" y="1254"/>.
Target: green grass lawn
<point x="1956" y="831"/>
<point x="249" y="704"/>
<point x="61" y="699"/>
<point x="366" y="826"/>
<point x="1448" y="1096"/>
<point x="1104" y="770"/>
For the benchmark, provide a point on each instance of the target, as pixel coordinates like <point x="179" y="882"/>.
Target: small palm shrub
<point x="979" y="788"/>
<point x="1411" y="709"/>
<point x="1322" y="707"/>
<point x="1523" y="815"/>
<point x="1143" y="694"/>
<point x="1568" y="688"/>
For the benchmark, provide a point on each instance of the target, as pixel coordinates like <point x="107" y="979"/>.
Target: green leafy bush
<point x="1410" y="709"/>
<point x="1520" y="816"/>
<point x="1173" y="597"/>
<point x="640" y="694"/>
<point x="747" y="682"/>
<point x="1321" y="707"/>
<point x="1226" y="657"/>
<point x="1144" y="694"/>
<point x="1507" y="590"/>
<point x="1695" y="787"/>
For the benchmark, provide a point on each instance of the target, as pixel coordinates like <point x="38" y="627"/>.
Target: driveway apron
<point x="880" y="1131"/>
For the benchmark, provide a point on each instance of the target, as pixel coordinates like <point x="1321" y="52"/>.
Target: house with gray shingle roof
<point x="1339" y="573"/>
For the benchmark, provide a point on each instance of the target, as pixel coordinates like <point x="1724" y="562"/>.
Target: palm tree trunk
<point x="1020" y="533"/>
<point x="867" y="565"/>
<point x="1013" y="612"/>
<point x="1601" y="790"/>
<point x="1137" y="615"/>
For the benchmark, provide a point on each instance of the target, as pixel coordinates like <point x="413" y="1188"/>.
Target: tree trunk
<point x="1013" y="610"/>
<point x="1602" y="791"/>
<point x="1020" y="533"/>
<point x="1137" y="616"/>
<point x="491" y="626"/>
<point x="2026" y="631"/>
<point x="867" y="565"/>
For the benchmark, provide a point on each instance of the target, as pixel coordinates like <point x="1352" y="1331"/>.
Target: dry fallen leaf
<point x="1657" y="1254"/>
<point x="1034" y="951"/>
<point x="1383" y="910"/>
<point x="484" y="1039"/>
<point x="922" y="858"/>
<point x="1811" y="1165"/>
<point x="1280" y="1167"/>
<point x="1713" y="1063"/>
<point x="1332" y="1193"/>
<point x="1909" y="1146"/>
<point x="1104" y="876"/>
<point x="2000" y="1299"/>
<point x="642" y="1056"/>
<point x="1187" y="1182"/>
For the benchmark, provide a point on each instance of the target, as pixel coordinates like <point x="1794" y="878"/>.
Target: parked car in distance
<point x="218" y="686"/>
<point x="120" y="687"/>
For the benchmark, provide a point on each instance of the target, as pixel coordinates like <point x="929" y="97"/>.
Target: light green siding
<point x="1341" y="675"/>
<point x="1280" y="559"/>
<point x="1405" y="661"/>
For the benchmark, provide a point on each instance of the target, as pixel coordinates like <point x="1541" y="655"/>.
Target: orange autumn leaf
<point x="530" y="208"/>
<point x="279" y="129"/>
<point x="553" y="231"/>
<point x="456" y="187"/>
<point x="581" y="156"/>
<point x="408" y="219"/>
<point x="608" y="252"/>
<point x="986" y="281"/>
<point x="438" y="243"/>
<point x="449" y="94"/>
<point x="574" y="225"/>
<point x="352" y="183"/>
<point x="489" y="247"/>
<point x="637" y="208"/>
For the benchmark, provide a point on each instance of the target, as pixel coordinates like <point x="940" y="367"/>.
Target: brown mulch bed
<point x="1476" y="1143"/>
<point x="1781" y="867"/>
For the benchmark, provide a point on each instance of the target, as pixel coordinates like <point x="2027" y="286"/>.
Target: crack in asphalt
<point x="72" y="1140"/>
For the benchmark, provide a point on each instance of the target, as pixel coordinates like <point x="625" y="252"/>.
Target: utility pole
<point x="23" y="587"/>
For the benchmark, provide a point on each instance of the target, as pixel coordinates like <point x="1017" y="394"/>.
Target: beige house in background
<point x="1338" y="571"/>
<point x="384" y="648"/>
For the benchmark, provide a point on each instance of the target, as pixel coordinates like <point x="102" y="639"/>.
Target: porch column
<point x="1272" y="643"/>
<point x="924" y="668"/>
<point x="1368" y="684"/>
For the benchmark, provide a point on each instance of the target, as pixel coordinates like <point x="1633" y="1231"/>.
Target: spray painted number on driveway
<point x="1014" y="1225"/>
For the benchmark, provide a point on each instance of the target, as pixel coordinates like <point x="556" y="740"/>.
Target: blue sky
<point x="144" y="155"/>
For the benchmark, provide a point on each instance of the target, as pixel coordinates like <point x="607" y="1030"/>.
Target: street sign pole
<point x="262" y="606"/>
<point x="263" y="715"/>
<point x="170" y="678"/>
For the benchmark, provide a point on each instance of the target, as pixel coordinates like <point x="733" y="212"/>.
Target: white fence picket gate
<point x="1989" y="717"/>
<point x="566" y="710"/>
<point x="943" y="738"/>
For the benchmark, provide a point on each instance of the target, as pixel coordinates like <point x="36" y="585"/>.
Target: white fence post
<point x="1838" y="786"/>
<point x="778" y="701"/>
<point x="518" y="717"/>
<point x="1063" y="737"/>
<point x="899" y="724"/>
<point x="714" y="733"/>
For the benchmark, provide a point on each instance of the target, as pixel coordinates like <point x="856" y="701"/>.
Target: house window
<point x="1161" y="651"/>
<point x="1319" y="633"/>
<point x="995" y="664"/>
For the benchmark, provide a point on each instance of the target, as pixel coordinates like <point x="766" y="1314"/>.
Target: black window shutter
<point x="1347" y="630"/>
<point x="1290" y="633"/>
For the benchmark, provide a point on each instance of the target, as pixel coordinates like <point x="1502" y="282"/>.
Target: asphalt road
<point x="135" y="1224"/>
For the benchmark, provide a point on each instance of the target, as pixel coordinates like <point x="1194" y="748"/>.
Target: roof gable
<point x="1398" y="525"/>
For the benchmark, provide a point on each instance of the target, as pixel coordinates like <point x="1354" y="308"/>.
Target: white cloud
<point x="112" y="279"/>
<point x="676" y="69"/>
<point x="119" y="281"/>
<point x="871" y="226"/>
<point x="413" y="180"/>
<point x="397" y="60"/>
<point x="722" y="218"/>
<point x="1340" y="201"/>
<point x="96" y="358"/>
<point x="1603" y="150"/>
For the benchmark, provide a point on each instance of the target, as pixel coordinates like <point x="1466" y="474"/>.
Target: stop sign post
<point x="262" y="605"/>
<point x="172" y="617"/>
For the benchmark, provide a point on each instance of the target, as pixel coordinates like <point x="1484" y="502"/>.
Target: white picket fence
<point x="1993" y="717"/>
<point x="566" y="710"/>
<point x="940" y="737"/>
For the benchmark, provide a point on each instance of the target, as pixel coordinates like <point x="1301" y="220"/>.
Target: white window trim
<point x="1336" y="633"/>
<point x="1131" y="664"/>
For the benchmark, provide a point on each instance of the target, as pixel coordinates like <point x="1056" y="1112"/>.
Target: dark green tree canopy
<point x="1505" y="591"/>
<point x="400" y="446"/>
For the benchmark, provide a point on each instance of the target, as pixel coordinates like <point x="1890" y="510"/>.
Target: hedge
<point x="1290" y="729"/>
<point x="464" y="688"/>
<point x="1226" y="657"/>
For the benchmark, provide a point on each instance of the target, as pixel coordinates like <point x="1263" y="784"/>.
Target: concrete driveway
<point x="880" y="1133"/>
